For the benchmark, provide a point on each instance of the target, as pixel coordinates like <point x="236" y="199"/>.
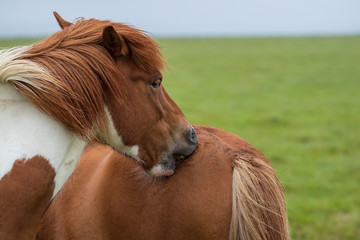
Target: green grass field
<point x="295" y="99"/>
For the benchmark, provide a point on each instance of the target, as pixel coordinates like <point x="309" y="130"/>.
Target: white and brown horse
<point x="92" y="80"/>
<point x="225" y="190"/>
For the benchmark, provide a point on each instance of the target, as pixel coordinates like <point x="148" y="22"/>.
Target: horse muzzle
<point x="183" y="149"/>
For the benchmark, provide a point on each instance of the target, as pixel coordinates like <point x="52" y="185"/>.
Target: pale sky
<point x="24" y="18"/>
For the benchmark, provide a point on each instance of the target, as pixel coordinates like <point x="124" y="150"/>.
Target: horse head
<point x="144" y="123"/>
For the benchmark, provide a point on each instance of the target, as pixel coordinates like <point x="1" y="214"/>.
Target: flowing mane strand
<point x="76" y="69"/>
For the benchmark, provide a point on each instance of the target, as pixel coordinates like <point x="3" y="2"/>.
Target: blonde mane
<point x="66" y="74"/>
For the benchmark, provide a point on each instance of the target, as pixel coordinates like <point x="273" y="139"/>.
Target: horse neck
<point x="26" y="132"/>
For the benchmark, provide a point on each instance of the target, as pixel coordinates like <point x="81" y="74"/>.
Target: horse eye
<point x="156" y="83"/>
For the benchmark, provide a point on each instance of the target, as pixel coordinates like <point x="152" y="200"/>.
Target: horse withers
<point x="91" y="80"/>
<point x="225" y="190"/>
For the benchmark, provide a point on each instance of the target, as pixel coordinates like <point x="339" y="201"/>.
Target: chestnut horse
<point x="92" y="80"/>
<point x="225" y="190"/>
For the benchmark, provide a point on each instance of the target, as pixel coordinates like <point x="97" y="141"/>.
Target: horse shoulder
<point x="25" y="193"/>
<point x="77" y="209"/>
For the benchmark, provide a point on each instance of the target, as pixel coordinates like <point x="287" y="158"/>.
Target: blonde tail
<point x="258" y="206"/>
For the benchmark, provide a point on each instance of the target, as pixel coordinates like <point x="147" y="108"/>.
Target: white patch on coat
<point x="67" y="166"/>
<point x="26" y="132"/>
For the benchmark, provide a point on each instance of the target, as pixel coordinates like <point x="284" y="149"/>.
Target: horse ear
<point x="114" y="43"/>
<point x="63" y="23"/>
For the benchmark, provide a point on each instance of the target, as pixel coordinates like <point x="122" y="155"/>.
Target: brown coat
<point x="110" y="197"/>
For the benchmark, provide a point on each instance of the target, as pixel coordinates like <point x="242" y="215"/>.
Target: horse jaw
<point x="26" y="132"/>
<point x="113" y="138"/>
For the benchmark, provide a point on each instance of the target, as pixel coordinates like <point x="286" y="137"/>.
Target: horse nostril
<point x="192" y="136"/>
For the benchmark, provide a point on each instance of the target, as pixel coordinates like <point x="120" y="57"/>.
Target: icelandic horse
<point x="225" y="190"/>
<point x="93" y="80"/>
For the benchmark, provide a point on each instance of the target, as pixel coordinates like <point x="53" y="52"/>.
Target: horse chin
<point x="161" y="170"/>
<point x="166" y="165"/>
<point x="166" y="169"/>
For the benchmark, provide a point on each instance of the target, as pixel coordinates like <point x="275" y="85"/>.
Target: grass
<point x="295" y="99"/>
<point x="6" y="43"/>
